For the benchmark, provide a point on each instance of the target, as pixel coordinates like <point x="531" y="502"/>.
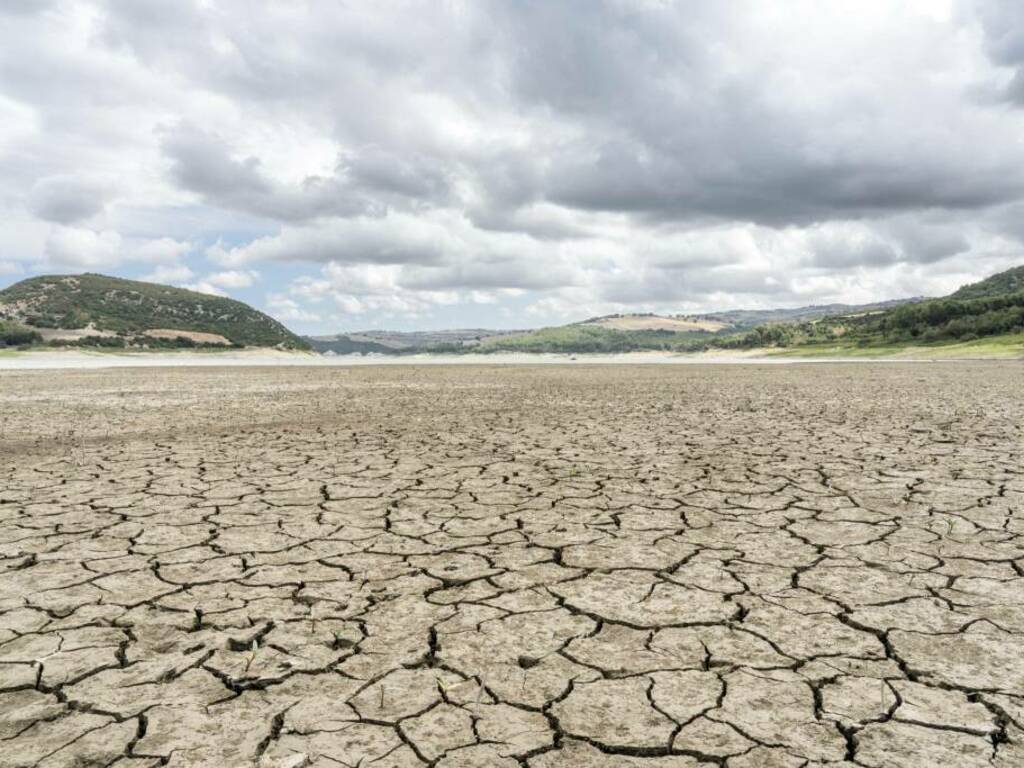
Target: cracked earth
<point x="475" y="566"/>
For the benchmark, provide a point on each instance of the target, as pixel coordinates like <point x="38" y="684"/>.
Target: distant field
<point x="657" y="323"/>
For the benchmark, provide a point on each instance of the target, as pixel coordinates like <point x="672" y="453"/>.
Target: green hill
<point x="1000" y="284"/>
<point x="992" y="307"/>
<point x="109" y="311"/>
<point x="343" y="345"/>
<point x="584" y="338"/>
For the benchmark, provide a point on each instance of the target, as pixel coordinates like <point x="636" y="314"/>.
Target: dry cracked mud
<point x="469" y="567"/>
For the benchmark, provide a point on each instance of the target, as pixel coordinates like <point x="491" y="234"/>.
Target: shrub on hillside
<point x="16" y="335"/>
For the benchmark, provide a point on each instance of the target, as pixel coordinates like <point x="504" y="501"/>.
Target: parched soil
<point x="739" y="566"/>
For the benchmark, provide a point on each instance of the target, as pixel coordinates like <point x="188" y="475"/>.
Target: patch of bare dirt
<point x="197" y="336"/>
<point x="657" y="323"/>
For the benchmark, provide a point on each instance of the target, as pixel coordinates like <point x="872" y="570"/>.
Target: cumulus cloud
<point x="163" y="249"/>
<point x="289" y="310"/>
<point x="76" y="247"/>
<point x="205" y="164"/>
<point x="68" y="199"/>
<point x="233" y="278"/>
<point x="567" y="157"/>
<point x="177" y="273"/>
<point x="71" y="247"/>
<point x="367" y="288"/>
<point x="205" y="286"/>
<point x="387" y="240"/>
<point x="216" y="283"/>
<point x="1003" y="26"/>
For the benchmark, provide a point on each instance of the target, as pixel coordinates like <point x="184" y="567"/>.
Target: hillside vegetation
<point x="122" y="311"/>
<point x="992" y="307"/>
<point x="345" y="345"/>
<point x="14" y="334"/>
<point x="593" y="338"/>
<point x="1001" y="284"/>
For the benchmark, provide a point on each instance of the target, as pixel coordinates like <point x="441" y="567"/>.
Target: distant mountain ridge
<point x="752" y="317"/>
<point x="402" y="342"/>
<point x="93" y="309"/>
<point x="581" y="336"/>
<point x="101" y="311"/>
<point x="988" y="308"/>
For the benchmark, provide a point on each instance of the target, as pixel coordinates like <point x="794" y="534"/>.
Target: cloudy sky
<point x="349" y="164"/>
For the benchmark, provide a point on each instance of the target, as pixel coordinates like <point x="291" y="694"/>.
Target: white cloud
<point x="233" y="278"/>
<point x="204" y="286"/>
<point x="76" y="247"/>
<point x="678" y="155"/>
<point x="289" y="310"/>
<point x="217" y="283"/>
<point x="67" y="199"/>
<point x="368" y="288"/>
<point x="161" y="250"/>
<point x="174" y="273"/>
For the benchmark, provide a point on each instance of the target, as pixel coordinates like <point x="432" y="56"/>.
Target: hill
<point x="95" y="310"/>
<point x="992" y="307"/>
<point x="681" y="333"/>
<point x="749" y="318"/>
<point x="346" y="345"/>
<point x="604" y="334"/>
<point x="1000" y="284"/>
<point x="652" y="322"/>
<point x="406" y="342"/>
<point x="597" y="338"/>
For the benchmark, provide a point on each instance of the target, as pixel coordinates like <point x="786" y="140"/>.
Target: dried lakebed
<point x="477" y="566"/>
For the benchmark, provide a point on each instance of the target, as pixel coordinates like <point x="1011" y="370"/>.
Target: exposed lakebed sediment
<point x="523" y="566"/>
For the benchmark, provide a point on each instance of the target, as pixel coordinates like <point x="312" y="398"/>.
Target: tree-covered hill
<point x="1001" y="284"/>
<point x="126" y="309"/>
<point x="991" y="307"/>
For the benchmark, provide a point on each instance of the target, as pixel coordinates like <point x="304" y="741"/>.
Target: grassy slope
<point x="129" y="306"/>
<point x="1008" y="346"/>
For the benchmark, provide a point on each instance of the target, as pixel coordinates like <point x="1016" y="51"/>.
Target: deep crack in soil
<point x="532" y="567"/>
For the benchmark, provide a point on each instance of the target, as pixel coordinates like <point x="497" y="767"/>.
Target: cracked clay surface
<point x="541" y="567"/>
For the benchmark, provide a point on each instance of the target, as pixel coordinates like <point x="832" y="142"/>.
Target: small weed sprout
<point x="252" y="655"/>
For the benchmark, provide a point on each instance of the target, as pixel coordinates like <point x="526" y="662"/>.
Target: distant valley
<point x="616" y="332"/>
<point x="991" y="309"/>
<point x="107" y="312"/>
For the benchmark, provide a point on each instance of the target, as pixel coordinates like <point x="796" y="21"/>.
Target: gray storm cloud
<point x="594" y="153"/>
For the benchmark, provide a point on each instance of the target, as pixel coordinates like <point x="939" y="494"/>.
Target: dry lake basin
<point x="474" y="566"/>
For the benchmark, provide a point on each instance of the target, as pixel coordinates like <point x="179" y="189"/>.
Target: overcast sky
<point x="347" y="165"/>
